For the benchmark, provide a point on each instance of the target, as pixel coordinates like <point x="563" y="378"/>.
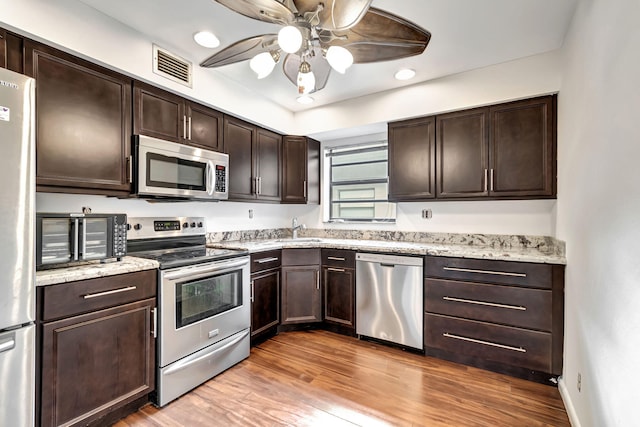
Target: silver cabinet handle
<point x="130" y="160"/>
<point x="111" y="292"/>
<point x="489" y="343"/>
<point x="184" y="127"/>
<point x="154" y="312"/>
<point x="259" y="185"/>
<point x="486" y="180"/>
<point x="263" y="260"/>
<point x="318" y="280"/>
<point x="339" y="270"/>
<point x="253" y="284"/>
<point x="488" y="304"/>
<point x="304" y="188"/>
<point x="498" y="273"/>
<point x="189" y="127"/>
<point x="255" y="185"/>
<point x="335" y="258"/>
<point x="7" y="345"/>
<point x="491" y="179"/>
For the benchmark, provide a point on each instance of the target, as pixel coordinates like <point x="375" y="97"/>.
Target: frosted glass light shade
<point x="290" y="39"/>
<point x="262" y="64"/>
<point x="339" y="58"/>
<point x="306" y="82"/>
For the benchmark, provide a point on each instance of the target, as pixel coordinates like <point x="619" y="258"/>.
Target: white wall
<point x="598" y="212"/>
<point x="77" y="28"/>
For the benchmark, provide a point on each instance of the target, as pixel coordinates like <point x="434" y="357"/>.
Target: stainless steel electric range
<point x="203" y="302"/>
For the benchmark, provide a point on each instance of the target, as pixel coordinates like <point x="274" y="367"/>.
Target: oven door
<point x="201" y="305"/>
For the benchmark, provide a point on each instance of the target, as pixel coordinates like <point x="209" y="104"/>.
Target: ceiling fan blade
<point x="242" y="50"/>
<point x="319" y="66"/>
<point x="379" y="36"/>
<point x="337" y="15"/>
<point x="271" y="11"/>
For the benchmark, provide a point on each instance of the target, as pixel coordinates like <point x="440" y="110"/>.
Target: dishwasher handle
<point x="390" y="260"/>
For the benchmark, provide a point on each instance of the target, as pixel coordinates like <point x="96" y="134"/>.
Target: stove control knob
<point x="193" y="225"/>
<point x="200" y="225"/>
<point x="137" y="226"/>
<point x="185" y="225"/>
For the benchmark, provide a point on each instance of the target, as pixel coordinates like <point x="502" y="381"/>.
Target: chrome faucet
<point x="295" y="227"/>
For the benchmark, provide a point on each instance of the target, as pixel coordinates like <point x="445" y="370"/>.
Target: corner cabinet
<point x="301" y="170"/>
<point x="83" y="123"/>
<point x="301" y="293"/>
<point x="96" y="348"/>
<point x="412" y="159"/>
<point x="254" y="161"/>
<point x="161" y="114"/>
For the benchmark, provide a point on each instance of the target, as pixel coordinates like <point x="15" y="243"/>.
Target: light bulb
<point x="339" y="58"/>
<point x="306" y="79"/>
<point x="262" y="64"/>
<point x="290" y="39"/>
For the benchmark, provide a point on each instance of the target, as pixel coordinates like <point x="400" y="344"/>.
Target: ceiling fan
<point x="320" y="35"/>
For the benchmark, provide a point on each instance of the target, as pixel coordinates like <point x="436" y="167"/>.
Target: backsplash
<point x="544" y="244"/>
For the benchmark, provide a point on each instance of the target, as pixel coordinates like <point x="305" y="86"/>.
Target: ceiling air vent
<point x="171" y="66"/>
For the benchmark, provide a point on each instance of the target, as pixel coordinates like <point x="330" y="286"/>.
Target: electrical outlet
<point x="426" y="213"/>
<point x="579" y="383"/>
<point x="250" y="213"/>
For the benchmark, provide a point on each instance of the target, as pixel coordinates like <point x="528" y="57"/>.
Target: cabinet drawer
<point x="266" y="260"/>
<point x="338" y="258"/>
<point x="503" y="344"/>
<point x="300" y="257"/>
<point x="514" y="306"/>
<point x="527" y="274"/>
<point x="83" y="296"/>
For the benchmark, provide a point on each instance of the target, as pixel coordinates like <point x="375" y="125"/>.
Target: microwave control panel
<point x="120" y="235"/>
<point x="221" y="179"/>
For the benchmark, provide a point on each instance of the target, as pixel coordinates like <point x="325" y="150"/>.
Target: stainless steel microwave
<point x="164" y="169"/>
<point x="63" y="238"/>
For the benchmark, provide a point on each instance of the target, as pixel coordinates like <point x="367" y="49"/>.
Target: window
<point x="358" y="183"/>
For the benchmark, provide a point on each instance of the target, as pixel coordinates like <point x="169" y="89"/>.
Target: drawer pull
<point x="111" y="292"/>
<point x="338" y="270"/>
<point x="335" y="258"/>
<point x="492" y="344"/>
<point x="263" y="260"/>
<point x="489" y="304"/>
<point x="498" y="273"/>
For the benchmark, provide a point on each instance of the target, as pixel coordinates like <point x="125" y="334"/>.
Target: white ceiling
<point x="466" y="34"/>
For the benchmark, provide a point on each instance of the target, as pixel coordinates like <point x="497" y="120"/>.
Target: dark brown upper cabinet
<point x="167" y="116"/>
<point x="412" y="159"/>
<point x="83" y="123"/>
<point x="462" y="154"/>
<point x="11" y="48"/>
<point x="300" y="170"/>
<point x="522" y="148"/>
<point x="254" y="161"/>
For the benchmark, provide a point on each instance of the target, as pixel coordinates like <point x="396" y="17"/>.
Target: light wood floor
<point x="317" y="378"/>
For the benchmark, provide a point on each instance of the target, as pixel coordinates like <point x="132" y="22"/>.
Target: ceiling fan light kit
<point x="318" y="36"/>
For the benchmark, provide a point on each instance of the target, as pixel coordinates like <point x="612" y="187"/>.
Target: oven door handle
<point x="190" y="360"/>
<point x="221" y="267"/>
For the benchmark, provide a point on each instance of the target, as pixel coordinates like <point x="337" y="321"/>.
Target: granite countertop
<point x="399" y="247"/>
<point x="91" y="270"/>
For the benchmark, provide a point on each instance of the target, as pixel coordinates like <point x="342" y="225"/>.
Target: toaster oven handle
<point x="76" y="238"/>
<point x="209" y="176"/>
<point x="83" y="225"/>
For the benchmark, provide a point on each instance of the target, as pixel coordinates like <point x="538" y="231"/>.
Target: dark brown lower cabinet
<point x="265" y="302"/>
<point x="301" y="293"/>
<point x="92" y="364"/>
<point x="339" y="284"/>
<point x="498" y="315"/>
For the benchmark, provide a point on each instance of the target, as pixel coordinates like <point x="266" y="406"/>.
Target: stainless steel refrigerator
<point x="17" y="265"/>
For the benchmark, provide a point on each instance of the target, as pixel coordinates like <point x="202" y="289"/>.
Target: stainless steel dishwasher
<point x="389" y="298"/>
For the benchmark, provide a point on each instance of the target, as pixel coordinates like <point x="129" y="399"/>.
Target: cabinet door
<point x="313" y="172"/>
<point x="94" y="362"/>
<point x="268" y="164"/>
<point x="158" y="113"/>
<point x="339" y="296"/>
<point x="83" y="123"/>
<point x="239" y="144"/>
<point x="204" y="127"/>
<point x="462" y="154"/>
<point x="265" y="305"/>
<point x="294" y="172"/>
<point x="412" y="159"/>
<point x="11" y="56"/>
<point x="301" y="301"/>
<point x="522" y="148"/>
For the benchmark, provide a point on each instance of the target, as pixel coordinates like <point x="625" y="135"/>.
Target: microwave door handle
<point x="209" y="176"/>
<point x="75" y="232"/>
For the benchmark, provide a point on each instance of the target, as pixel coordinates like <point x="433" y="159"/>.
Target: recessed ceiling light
<point x="206" y="39"/>
<point x="304" y="99"/>
<point x="405" y="74"/>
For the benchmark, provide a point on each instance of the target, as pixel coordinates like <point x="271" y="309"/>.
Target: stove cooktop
<point x="182" y="257"/>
